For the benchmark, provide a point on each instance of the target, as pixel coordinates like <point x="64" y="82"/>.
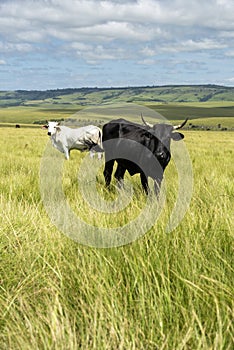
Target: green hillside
<point x="94" y="96"/>
<point x="204" y="105"/>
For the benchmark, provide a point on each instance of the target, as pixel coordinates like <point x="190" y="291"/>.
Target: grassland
<point x="203" y="114"/>
<point x="204" y="105"/>
<point x="29" y="115"/>
<point x="163" y="291"/>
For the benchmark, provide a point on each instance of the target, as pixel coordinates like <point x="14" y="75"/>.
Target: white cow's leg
<point x="91" y="153"/>
<point x="66" y="152"/>
<point x="99" y="155"/>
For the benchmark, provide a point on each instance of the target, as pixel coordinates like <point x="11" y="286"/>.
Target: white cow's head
<point x="52" y="127"/>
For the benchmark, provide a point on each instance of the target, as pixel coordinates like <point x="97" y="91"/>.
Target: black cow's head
<point x="162" y="134"/>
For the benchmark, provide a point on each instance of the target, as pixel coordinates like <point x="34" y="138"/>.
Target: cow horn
<point x="176" y="127"/>
<point x="150" y="125"/>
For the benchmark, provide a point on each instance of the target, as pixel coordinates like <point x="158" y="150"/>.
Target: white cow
<point x="84" y="138"/>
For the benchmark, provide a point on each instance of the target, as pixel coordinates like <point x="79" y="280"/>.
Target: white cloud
<point x="148" y="52"/>
<point x="192" y="45"/>
<point x="139" y="20"/>
<point x="15" y="47"/>
<point x="229" y="53"/>
<point x="94" y="53"/>
<point x="147" y="62"/>
<point x="2" y="62"/>
<point x="31" y="36"/>
<point x="116" y="30"/>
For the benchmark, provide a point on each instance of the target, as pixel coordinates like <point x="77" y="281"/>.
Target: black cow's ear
<point x="177" y="136"/>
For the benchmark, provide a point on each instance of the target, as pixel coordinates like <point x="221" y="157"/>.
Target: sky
<point x="53" y="44"/>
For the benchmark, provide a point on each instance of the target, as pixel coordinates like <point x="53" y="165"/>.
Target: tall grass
<point x="163" y="291"/>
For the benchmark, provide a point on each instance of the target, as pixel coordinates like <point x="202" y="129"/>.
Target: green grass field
<point x="163" y="291"/>
<point x="209" y="114"/>
<point x="28" y="115"/>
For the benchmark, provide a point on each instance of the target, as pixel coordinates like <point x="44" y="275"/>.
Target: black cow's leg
<point x="144" y="182"/>
<point x="119" y="175"/>
<point x="108" y="171"/>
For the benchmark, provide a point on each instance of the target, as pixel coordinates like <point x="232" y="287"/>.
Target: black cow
<point x="143" y="149"/>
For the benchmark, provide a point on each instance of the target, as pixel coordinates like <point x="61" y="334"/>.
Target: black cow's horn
<point x="176" y="127"/>
<point x="150" y="125"/>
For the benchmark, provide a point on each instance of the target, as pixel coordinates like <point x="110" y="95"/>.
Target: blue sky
<point x="49" y="44"/>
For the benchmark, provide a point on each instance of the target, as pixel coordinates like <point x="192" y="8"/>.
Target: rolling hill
<point x="205" y="105"/>
<point x="93" y="96"/>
